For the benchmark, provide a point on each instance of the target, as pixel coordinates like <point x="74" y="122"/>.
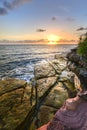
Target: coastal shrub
<point x="82" y="47"/>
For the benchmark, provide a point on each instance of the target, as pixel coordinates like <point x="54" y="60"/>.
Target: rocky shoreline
<point x="27" y="106"/>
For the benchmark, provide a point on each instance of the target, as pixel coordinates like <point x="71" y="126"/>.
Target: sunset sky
<point x="41" y="20"/>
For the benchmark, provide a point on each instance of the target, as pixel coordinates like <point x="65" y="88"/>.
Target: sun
<point x="53" y="39"/>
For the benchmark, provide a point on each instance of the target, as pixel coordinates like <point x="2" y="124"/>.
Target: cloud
<point x="24" y="41"/>
<point x="67" y="41"/>
<point x="64" y="8"/>
<point x="81" y="29"/>
<point x="3" y="11"/>
<point x="54" y="18"/>
<point x="70" y="19"/>
<point x="40" y="30"/>
<point x="37" y="41"/>
<point x="14" y="3"/>
<point x="10" y="5"/>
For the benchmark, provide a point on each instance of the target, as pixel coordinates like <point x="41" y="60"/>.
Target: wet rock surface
<point x="13" y="107"/>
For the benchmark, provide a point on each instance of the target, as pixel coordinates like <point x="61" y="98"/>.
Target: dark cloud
<point x="24" y="41"/>
<point x="65" y="40"/>
<point x="70" y="19"/>
<point x="33" y="41"/>
<point x="10" y="5"/>
<point x="14" y="3"/>
<point x="54" y="18"/>
<point x="3" y="11"/>
<point x="40" y="30"/>
<point x="38" y="41"/>
<point x="81" y="29"/>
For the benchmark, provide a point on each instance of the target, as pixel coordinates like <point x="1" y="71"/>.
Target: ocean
<point x="18" y="61"/>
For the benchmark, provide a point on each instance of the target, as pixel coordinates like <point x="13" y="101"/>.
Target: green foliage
<point x="82" y="47"/>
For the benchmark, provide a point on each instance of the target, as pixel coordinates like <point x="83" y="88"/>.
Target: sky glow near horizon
<point x="36" y="20"/>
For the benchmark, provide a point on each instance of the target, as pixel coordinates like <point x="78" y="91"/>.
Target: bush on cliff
<point x="82" y="47"/>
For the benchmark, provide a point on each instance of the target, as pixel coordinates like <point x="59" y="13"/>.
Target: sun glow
<point x="53" y="39"/>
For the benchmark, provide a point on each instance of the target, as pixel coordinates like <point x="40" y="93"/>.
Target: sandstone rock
<point x="67" y="75"/>
<point x="60" y="56"/>
<point x="46" y="114"/>
<point x="43" y="70"/>
<point x="74" y="57"/>
<point x="49" y="69"/>
<point x="59" y="93"/>
<point x="59" y="64"/>
<point x="9" y="85"/>
<point x="77" y="83"/>
<point x="68" y="119"/>
<point x="44" y="84"/>
<point x="57" y="97"/>
<point x="78" y="65"/>
<point x="13" y="107"/>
